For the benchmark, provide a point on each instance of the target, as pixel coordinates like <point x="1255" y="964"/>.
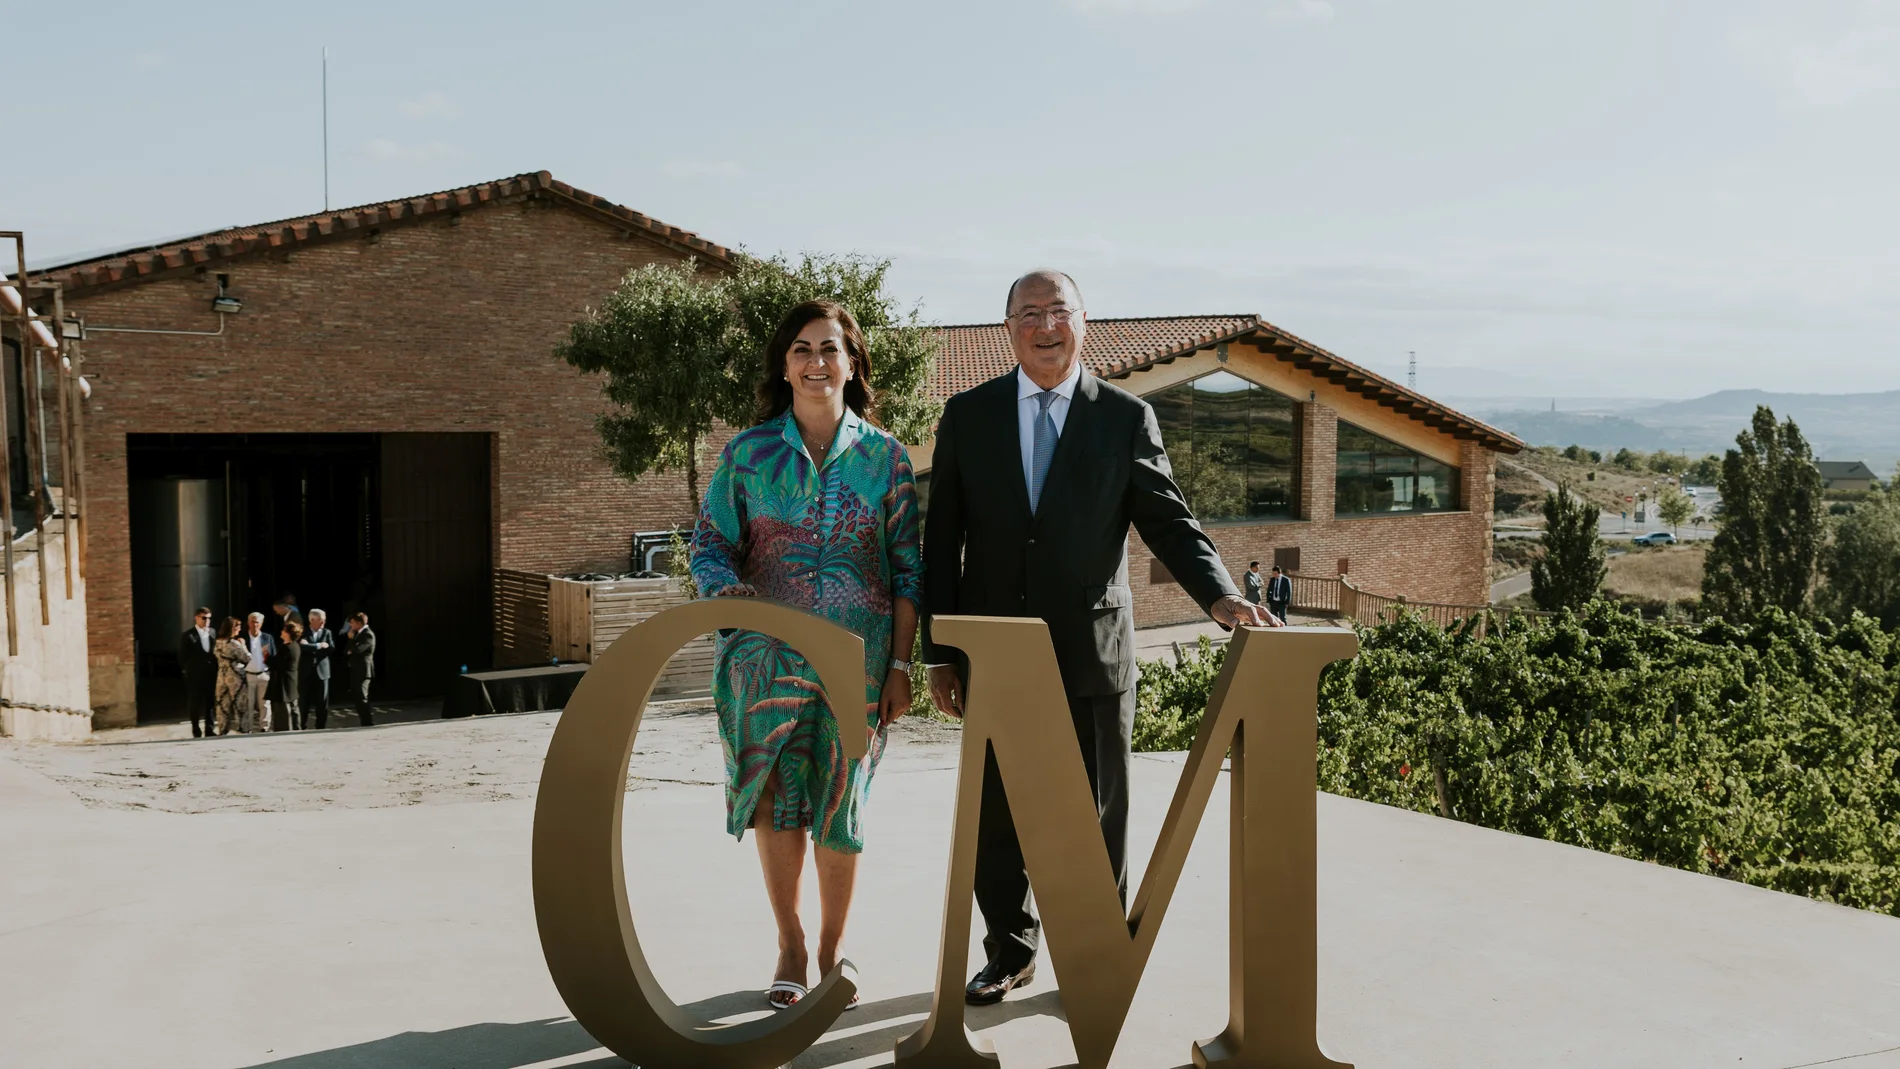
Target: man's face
<point x="316" y="620"/>
<point x="202" y="619"/>
<point x="1046" y="325"/>
<point x="254" y="625"/>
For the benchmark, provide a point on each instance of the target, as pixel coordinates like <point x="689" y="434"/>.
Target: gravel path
<point x="434" y="762"/>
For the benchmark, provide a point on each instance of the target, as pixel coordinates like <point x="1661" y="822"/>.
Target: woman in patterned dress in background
<point x="815" y="506"/>
<point x="232" y="657"/>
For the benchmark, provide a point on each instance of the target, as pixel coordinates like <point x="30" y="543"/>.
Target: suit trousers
<point x="1278" y="608"/>
<point x="359" y="691"/>
<point x="316" y="700"/>
<point x="201" y="699"/>
<point x="253" y="710"/>
<point x="1103" y="725"/>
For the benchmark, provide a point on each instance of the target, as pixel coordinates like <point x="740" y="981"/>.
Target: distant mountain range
<point x="1851" y="426"/>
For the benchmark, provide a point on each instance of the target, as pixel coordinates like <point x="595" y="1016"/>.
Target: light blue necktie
<point x="1044" y="446"/>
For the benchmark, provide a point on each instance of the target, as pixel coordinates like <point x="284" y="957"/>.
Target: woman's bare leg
<point x="837" y="879"/>
<point x="782" y="859"/>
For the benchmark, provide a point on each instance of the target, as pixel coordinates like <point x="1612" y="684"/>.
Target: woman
<point x="232" y="657"/>
<point x="815" y="506"/>
<point x="281" y="692"/>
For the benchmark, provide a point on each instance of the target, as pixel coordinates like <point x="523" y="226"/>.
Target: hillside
<point x="1862" y="426"/>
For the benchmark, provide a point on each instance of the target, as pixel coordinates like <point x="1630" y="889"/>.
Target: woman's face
<point x="818" y="364"/>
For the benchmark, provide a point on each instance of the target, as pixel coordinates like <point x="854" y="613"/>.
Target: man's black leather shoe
<point x="993" y="981"/>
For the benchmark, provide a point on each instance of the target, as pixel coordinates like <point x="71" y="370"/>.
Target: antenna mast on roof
<point x="326" y="128"/>
<point x="1411" y="371"/>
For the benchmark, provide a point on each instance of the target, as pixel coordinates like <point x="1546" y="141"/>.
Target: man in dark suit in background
<point x="200" y="668"/>
<point x="1279" y="593"/>
<point x="360" y="652"/>
<point x="318" y="644"/>
<point x="1036" y="477"/>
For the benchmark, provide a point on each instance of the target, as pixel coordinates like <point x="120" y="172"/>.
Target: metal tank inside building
<point x="179" y="562"/>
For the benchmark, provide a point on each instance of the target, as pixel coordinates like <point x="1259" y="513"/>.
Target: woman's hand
<point x="896" y="699"/>
<point x="736" y="590"/>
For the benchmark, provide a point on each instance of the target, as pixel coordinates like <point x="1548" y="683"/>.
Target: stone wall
<point x="50" y="669"/>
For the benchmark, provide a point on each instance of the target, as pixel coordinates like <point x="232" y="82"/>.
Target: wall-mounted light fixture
<point x="223" y="305"/>
<point x="1220" y="352"/>
<point x="72" y="329"/>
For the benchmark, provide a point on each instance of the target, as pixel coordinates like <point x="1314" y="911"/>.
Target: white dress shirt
<point x="1028" y="408"/>
<point x="204" y="637"/>
<point x="255" y="643"/>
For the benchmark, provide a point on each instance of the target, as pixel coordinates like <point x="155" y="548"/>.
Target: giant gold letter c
<point x="580" y="891"/>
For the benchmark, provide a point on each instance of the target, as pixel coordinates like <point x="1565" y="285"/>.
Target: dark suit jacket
<point x="319" y="660"/>
<point x="985" y="554"/>
<point x="1280" y="590"/>
<point x="283" y="672"/>
<point x="362" y="655"/>
<point x="198" y="666"/>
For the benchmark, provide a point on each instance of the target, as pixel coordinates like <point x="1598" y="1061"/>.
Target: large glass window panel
<point x="1377" y="475"/>
<point x="1231" y="445"/>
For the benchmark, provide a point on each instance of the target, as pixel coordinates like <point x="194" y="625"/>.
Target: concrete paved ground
<point x="382" y="930"/>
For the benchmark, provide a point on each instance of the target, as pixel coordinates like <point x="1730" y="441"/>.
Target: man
<point x="1036" y="477"/>
<point x="318" y="643"/>
<point x="1253" y="582"/>
<point x="361" y="654"/>
<point x="253" y="709"/>
<point x="285" y="608"/>
<point x="1279" y="593"/>
<point x="200" y="668"/>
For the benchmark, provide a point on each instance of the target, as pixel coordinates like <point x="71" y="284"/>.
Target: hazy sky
<point x="1612" y="197"/>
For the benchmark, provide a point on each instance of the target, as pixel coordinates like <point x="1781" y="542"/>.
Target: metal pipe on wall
<point x="36" y="465"/>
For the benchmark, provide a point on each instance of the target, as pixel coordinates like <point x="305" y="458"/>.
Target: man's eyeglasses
<point x="1036" y="317"/>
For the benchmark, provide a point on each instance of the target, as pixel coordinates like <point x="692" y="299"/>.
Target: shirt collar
<point x="850" y="429"/>
<point x="1025" y="388"/>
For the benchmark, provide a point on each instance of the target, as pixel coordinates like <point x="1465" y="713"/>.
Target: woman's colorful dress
<point x="839" y="540"/>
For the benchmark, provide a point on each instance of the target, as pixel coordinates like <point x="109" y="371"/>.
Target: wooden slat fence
<point x="584" y="618"/>
<point x="521" y="618"/>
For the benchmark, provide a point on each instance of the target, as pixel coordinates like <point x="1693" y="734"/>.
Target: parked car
<point x="1655" y="538"/>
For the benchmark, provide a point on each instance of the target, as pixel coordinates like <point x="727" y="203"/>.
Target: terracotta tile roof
<point x="1115" y="348"/>
<point x="138" y="264"/>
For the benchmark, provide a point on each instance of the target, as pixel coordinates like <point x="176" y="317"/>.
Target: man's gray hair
<point x="1042" y="274"/>
<point x="316" y="612"/>
<point x="255" y="616"/>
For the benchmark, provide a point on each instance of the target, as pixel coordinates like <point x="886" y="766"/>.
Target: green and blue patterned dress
<point x="839" y="540"/>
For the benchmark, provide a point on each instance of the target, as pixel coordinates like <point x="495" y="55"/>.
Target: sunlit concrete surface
<point x="386" y="925"/>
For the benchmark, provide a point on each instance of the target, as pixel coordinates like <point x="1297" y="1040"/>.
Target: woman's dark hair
<point x="230" y="628"/>
<point x="775" y="394"/>
<point x="293" y="629"/>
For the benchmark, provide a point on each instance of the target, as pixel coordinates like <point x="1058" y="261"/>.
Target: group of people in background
<point x="241" y="677"/>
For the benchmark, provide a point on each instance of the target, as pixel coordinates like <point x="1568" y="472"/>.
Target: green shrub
<point x="1767" y="753"/>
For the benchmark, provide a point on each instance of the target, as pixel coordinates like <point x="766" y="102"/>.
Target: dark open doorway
<point x="394" y="525"/>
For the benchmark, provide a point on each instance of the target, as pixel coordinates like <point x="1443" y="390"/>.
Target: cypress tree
<point x="1570" y="571"/>
<point x="1769" y="542"/>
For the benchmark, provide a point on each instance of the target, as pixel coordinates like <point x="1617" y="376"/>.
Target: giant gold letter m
<point x="1016" y="709"/>
<point x="1261" y="714"/>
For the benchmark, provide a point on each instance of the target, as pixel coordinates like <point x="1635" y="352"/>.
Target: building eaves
<point x="203" y="250"/>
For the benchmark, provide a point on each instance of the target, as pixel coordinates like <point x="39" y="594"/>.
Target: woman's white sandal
<point x="785" y="987"/>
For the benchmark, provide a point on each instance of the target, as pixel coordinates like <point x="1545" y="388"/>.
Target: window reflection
<point x="1232" y="446"/>
<point x="1378" y="475"/>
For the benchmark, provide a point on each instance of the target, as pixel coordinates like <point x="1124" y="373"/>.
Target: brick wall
<point x="446" y="324"/>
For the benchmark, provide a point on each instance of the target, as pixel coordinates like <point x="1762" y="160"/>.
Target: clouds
<point x="1294" y="10"/>
<point x="686" y="169"/>
<point x="430" y="105"/>
<point x="382" y="148"/>
<point x="1824" y="66"/>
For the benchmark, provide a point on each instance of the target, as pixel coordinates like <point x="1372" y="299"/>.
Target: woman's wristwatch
<point x="901" y="665"/>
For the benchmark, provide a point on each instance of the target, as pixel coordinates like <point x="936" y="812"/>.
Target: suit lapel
<point x="1076" y="429"/>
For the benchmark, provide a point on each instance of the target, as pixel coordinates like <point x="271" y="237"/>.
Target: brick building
<point x="1289" y="455"/>
<point x="379" y="426"/>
